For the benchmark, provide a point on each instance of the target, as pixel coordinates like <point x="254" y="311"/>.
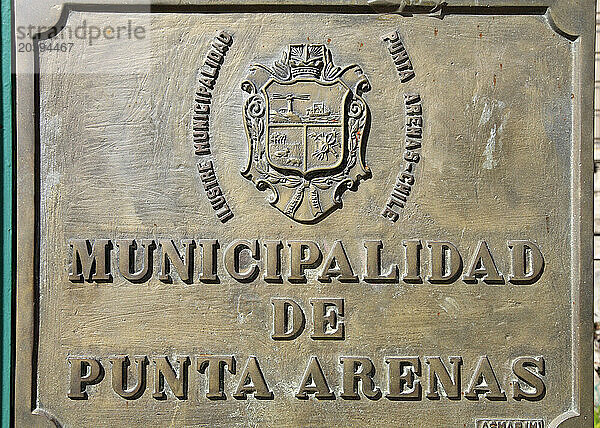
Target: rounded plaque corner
<point x="572" y="419"/>
<point x="56" y="22"/>
<point x="564" y="22"/>
<point x="42" y="418"/>
<point x="46" y="19"/>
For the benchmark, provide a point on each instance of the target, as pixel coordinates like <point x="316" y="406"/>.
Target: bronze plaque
<point x="304" y="213"/>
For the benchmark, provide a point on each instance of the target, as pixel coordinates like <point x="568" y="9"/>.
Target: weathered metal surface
<point x="304" y="215"/>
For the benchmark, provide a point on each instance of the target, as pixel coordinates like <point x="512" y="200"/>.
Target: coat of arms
<point x="307" y="126"/>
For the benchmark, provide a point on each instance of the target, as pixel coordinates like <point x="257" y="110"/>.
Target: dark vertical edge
<point x="7" y="214"/>
<point x="36" y="236"/>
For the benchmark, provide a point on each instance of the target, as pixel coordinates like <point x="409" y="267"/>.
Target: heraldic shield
<point x="307" y="125"/>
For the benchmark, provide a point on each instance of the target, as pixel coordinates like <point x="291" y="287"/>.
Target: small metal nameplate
<point x="509" y="423"/>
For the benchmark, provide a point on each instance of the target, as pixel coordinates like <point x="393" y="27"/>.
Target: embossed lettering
<point x="214" y="366"/>
<point x="373" y="264"/>
<point x="405" y="179"/>
<point x="127" y="259"/>
<point x="527" y="262"/>
<point x="213" y="191"/>
<point x="84" y="372"/>
<point x="241" y="260"/>
<point x="326" y="322"/>
<point x="90" y="261"/>
<point x="303" y="255"/>
<point x="534" y="388"/>
<point x="358" y="371"/>
<point x="207" y="77"/>
<point x="314" y="382"/>
<point x="171" y="256"/>
<point x="399" y="56"/>
<point x="412" y="265"/>
<point x="164" y="371"/>
<point x="232" y="259"/>
<point x="438" y="372"/>
<point x="337" y="265"/>
<point x="483" y="265"/>
<point x="403" y="384"/>
<point x="445" y="261"/>
<point x="120" y="376"/>
<point x="288" y="319"/>
<point x="272" y="261"/>
<point x="253" y="382"/>
<point x="484" y="382"/>
<point x="209" y="260"/>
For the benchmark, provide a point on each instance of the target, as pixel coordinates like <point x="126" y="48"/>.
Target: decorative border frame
<point x="573" y="19"/>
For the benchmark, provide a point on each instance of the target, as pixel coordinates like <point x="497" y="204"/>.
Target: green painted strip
<point x="7" y="183"/>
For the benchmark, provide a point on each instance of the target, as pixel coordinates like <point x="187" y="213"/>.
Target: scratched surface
<point x="117" y="161"/>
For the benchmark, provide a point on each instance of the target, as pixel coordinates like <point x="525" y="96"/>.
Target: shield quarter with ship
<point x="307" y="126"/>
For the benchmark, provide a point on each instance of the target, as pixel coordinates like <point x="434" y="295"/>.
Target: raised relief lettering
<point x="484" y="381"/>
<point x="373" y="264"/>
<point x="314" y="382"/>
<point x="509" y="423"/>
<point x="439" y="376"/>
<point x="358" y="371"/>
<point x="84" y="372"/>
<point x="364" y="272"/>
<point x="243" y="261"/>
<point x="402" y="378"/>
<point x="288" y="319"/>
<point x="405" y="179"/>
<point x="209" y="72"/>
<point x="326" y="318"/>
<point x="214" y="367"/>
<point x="404" y="381"/>
<point x="213" y="191"/>
<point x="253" y="381"/>
<point x="90" y="261"/>
<point x="445" y="262"/>
<point x="171" y="258"/>
<point x="303" y="255"/>
<point x="399" y="56"/>
<point x="273" y="261"/>
<point x="164" y="373"/>
<point x="527" y="262"/>
<point x="209" y="260"/>
<point x="337" y="265"/>
<point x="128" y="250"/>
<point x="120" y="376"/>
<point x="233" y="256"/>
<point x="483" y="266"/>
<point x="412" y="269"/>
<point x="530" y="384"/>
